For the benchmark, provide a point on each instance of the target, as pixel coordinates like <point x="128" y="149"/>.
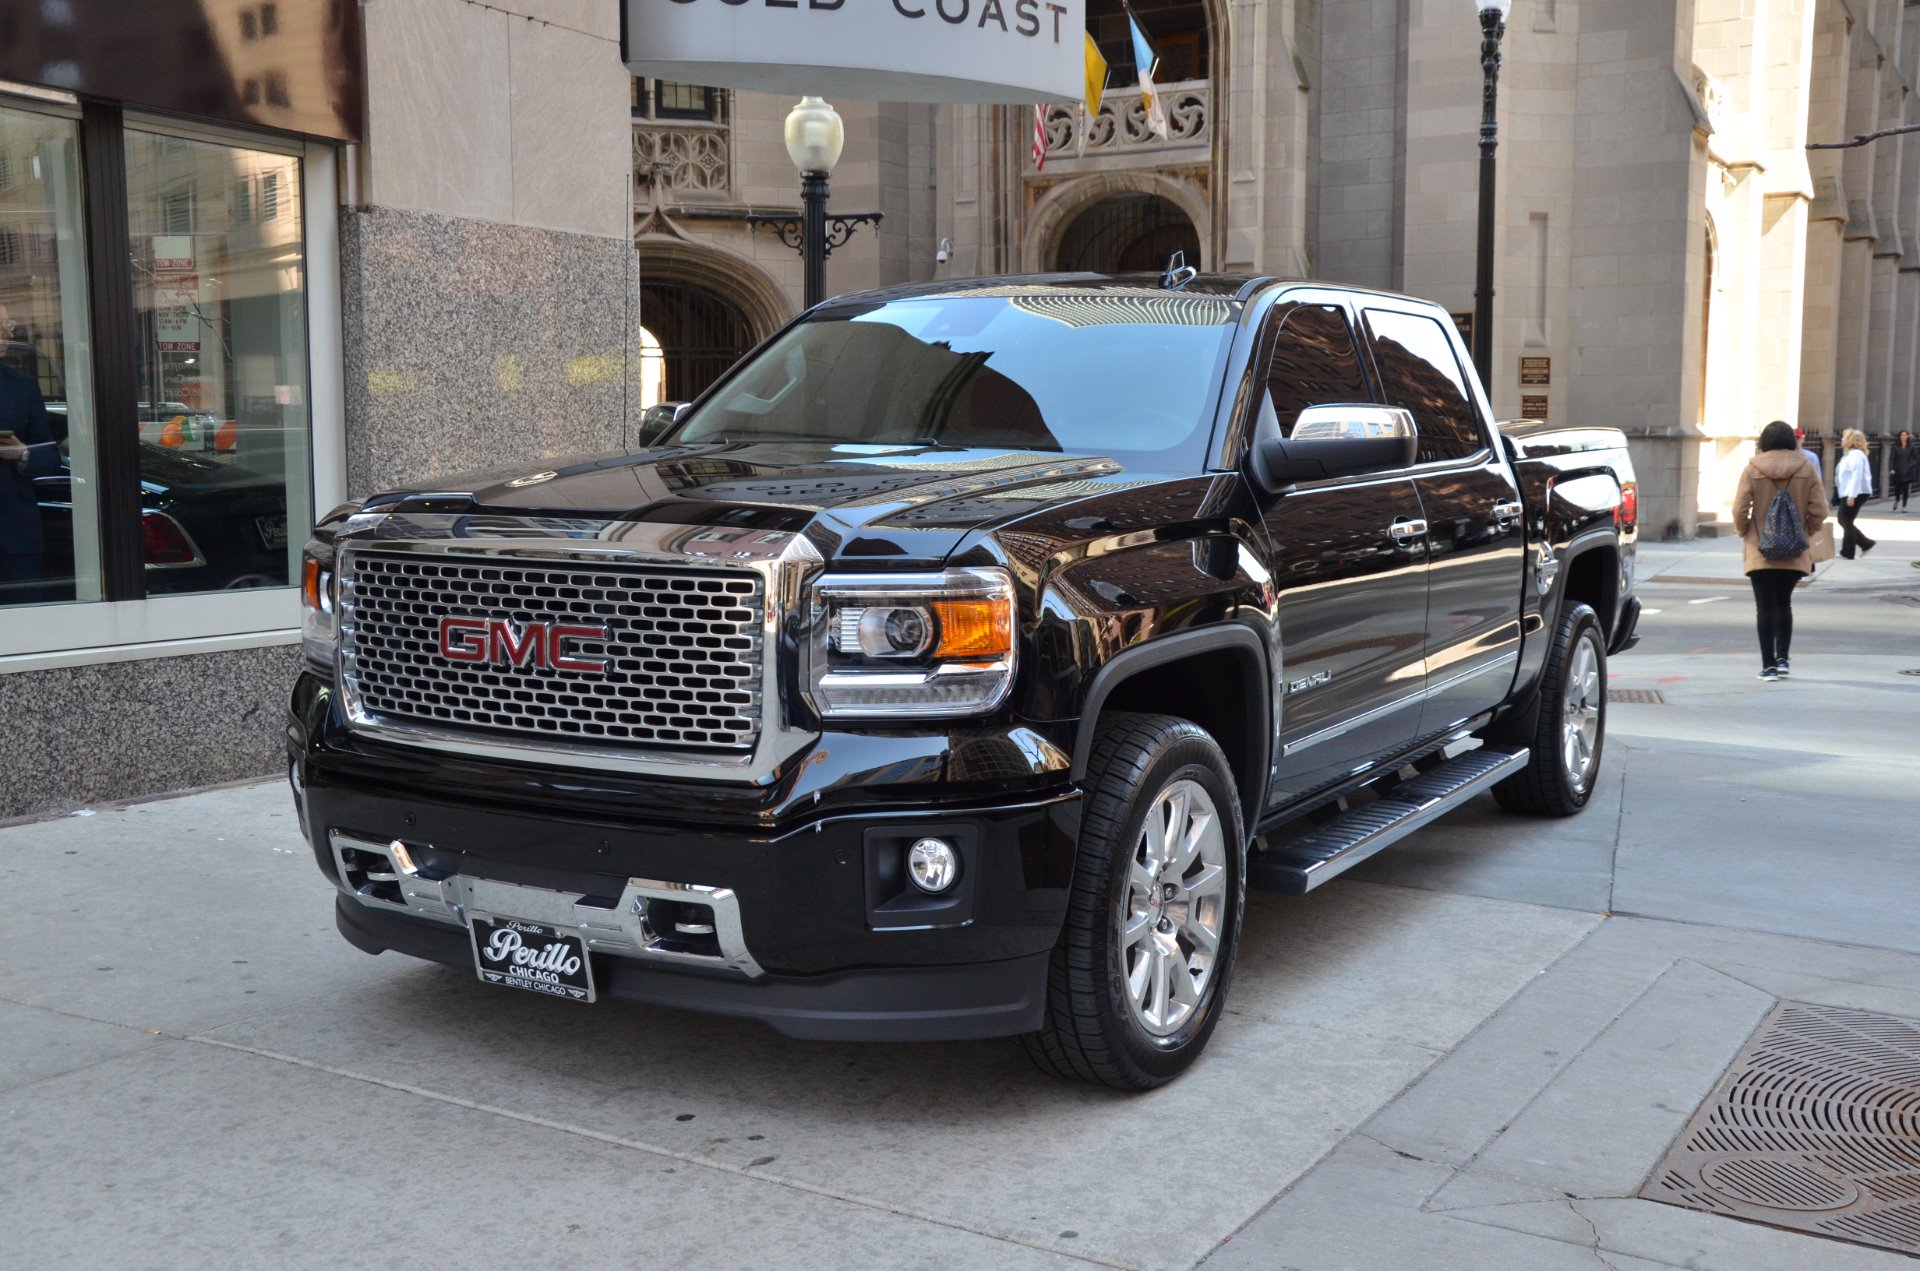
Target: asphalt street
<point x="1471" y="1052"/>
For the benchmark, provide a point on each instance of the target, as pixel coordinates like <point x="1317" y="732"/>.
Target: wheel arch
<point x="1590" y="575"/>
<point x="1181" y="675"/>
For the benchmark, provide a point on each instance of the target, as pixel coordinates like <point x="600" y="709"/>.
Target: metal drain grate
<point x="1815" y="1127"/>
<point x="1640" y="696"/>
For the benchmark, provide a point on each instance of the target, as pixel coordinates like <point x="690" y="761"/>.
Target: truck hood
<point x="899" y="503"/>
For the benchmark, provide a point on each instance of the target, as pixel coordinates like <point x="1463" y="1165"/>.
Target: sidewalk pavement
<point x="1722" y="559"/>
<point x="1471" y="1053"/>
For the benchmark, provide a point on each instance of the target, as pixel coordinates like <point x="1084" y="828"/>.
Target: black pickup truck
<point x="953" y="665"/>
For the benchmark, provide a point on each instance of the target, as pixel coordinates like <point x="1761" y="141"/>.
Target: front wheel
<point x="1571" y="727"/>
<point x="1141" y="968"/>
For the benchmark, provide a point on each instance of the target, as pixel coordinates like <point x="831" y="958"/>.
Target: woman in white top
<point x="1853" y="484"/>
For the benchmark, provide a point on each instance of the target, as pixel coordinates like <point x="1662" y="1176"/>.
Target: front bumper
<point x="806" y="923"/>
<point x="987" y="999"/>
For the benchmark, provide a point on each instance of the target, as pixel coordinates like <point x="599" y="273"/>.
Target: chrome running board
<point x="1300" y="865"/>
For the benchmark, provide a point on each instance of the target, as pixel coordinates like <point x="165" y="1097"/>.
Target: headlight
<point x="910" y="646"/>
<point x="319" y="632"/>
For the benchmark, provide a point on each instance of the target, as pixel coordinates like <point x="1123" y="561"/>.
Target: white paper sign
<point x="176" y="295"/>
<point x="1013" y="51"/>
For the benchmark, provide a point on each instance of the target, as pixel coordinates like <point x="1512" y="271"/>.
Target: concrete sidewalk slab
<point x="177" y="915"/>
<point x="1532" y="1139"/>
<point x="192" y="1156"/>
<point x="1339" y="1005"/>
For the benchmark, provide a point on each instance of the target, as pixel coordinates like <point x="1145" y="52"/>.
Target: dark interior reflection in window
<point x="1099" y="377"/>
<point x="1314" y="364"/>
<point x="1419" y="372"/>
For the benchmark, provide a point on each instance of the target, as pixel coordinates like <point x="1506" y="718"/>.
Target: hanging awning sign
<point x="982" y="51"/>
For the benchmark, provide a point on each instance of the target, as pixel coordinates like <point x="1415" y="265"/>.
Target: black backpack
<point x="1782" y="537"/>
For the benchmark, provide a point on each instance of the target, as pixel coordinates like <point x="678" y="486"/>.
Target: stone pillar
<point x="1635" y="317"/>
<point x="1359" y="116"/>
<point x="1827" y="221"/>
<point x="488" y="274"/>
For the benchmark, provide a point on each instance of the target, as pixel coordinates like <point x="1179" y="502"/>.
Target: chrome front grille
<point x="683" y="650"/>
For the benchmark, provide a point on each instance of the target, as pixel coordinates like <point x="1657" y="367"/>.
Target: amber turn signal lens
<point x="310" y="583"/>
<point x="974" y="628"/>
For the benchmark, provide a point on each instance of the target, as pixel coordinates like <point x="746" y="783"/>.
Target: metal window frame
<point x="126" y="624"/>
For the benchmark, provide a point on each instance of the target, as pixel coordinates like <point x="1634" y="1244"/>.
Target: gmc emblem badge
<point x="500" y="642"/>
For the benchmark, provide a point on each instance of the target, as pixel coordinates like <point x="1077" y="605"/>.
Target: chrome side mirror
<point x="1336" y="441"/>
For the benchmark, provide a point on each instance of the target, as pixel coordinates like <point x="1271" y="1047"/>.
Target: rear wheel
<point x="1141" y="969"/>
<point x="1571" y="726"/>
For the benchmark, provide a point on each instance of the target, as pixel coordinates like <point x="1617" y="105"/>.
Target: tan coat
<point x="1766" y="473"/>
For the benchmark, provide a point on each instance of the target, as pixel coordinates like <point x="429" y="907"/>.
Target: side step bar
<point x="1300" y="865"/>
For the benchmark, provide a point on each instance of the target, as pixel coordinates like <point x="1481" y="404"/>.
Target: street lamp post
<point x="1493" y="26"/>
<point x="815" y="137"/>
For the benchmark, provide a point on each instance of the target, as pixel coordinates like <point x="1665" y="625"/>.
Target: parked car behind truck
<point x="952" y="667"/>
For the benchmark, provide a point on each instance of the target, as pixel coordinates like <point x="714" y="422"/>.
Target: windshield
<point x="1127" y="374"/>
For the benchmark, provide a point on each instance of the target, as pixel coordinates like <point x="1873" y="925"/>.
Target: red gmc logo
<point x="500" y="642"/>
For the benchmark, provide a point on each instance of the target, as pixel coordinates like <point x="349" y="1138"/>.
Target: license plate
<point x="516" y="954"/>
<point x="273" y="530"/>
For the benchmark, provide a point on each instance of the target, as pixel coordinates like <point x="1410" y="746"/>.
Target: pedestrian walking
<point x="1903" y="469"/>
<point x="1777" y="506"/>
<point x="1853" y="486"/>
<point x="1812" y="454"/>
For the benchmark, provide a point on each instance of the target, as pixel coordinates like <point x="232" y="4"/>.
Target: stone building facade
<point x="1673" y="260"/>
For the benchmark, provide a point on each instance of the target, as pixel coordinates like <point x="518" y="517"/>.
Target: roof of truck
<point x="1220" y="286"/>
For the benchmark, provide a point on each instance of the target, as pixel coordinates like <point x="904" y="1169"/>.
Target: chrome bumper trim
<point x="621" y="931"/>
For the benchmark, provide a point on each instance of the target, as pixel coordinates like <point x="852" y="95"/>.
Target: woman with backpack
<point x="1777" y="506"/>
<point x="1853" y="486"/>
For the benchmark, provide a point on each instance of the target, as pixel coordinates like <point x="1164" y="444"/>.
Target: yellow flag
<point x="1096" y="76"/>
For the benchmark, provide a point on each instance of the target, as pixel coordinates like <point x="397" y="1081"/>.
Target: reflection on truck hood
<point x="888" y="502"/>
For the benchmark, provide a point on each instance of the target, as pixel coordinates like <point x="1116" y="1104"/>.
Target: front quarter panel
<point x="1110" y="573"/>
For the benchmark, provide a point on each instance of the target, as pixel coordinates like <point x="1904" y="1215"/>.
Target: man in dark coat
<point x="27" y="450"/>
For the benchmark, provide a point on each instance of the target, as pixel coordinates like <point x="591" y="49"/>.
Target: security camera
<point x="945" y="253"/>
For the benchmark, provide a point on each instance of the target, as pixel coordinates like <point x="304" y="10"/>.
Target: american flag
<point x="1040" y="138"/>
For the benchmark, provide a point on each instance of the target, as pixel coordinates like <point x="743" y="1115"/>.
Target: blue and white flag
<point x="1145" y="60"/>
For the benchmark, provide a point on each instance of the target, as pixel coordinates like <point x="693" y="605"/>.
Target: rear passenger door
<point x="1471" y="503"/>
<point x="1351" y="579"/>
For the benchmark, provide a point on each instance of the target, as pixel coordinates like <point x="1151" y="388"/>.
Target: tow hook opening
<point x="679" y="926"/>
<point x="370" y="874"/>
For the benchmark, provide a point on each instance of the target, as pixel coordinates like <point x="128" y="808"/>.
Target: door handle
<point x="1508" y="512"/>
<point x="1407" y="531"/>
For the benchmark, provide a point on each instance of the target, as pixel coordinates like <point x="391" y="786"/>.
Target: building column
<point x="1826" y="221"/>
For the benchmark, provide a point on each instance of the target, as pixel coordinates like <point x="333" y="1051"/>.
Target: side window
<point x="1419" y="372"/>
<point x="1314" y="363"/>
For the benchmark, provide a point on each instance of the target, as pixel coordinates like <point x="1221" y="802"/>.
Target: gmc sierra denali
<point x="953" y="665"/>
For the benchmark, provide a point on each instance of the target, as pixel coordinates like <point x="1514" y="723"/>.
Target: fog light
<point x="933" y="865"/>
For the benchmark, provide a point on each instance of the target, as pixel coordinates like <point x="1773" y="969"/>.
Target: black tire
<point x="1547" y="786"/>
<point x="1091" y="1031"/>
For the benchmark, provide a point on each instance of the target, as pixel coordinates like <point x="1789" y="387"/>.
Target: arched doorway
<point x="1127" y="233"/>
<point x="700" y="334"/>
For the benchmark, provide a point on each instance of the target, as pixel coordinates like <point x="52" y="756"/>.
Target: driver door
<point x="1349" y="565"/>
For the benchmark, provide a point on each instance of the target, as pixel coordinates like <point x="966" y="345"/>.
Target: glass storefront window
<point x="220" y="320"/>
<point x="49" y="509"/>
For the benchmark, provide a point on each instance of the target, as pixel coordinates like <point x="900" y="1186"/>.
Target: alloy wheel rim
<point x="1580" y="727"/>
<point x="1173" y="911"/>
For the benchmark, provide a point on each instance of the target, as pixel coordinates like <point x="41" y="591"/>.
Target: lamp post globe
<point x="1493" y="26"/>
<point x="815" y="136"/>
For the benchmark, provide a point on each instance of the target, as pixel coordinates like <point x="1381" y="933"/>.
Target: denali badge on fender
<point x="502" y="643"/>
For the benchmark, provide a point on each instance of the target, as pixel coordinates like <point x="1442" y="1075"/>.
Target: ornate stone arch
<point x="1058" y="208"/>
<point x="761" y="299"/>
